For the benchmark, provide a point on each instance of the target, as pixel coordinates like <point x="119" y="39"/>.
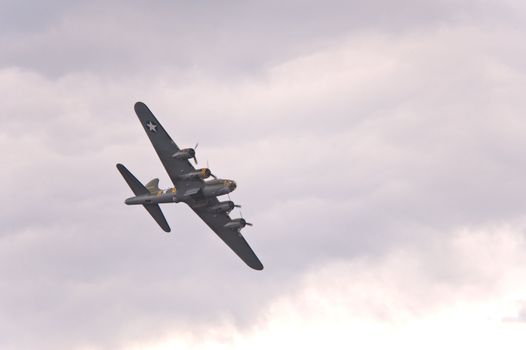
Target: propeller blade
<point x="195" y="147"/>
<point x="246" y="223"/>
<point x="215" y="177"/>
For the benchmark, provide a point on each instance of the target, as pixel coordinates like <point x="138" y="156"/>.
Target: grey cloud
<point x="335" y="169"/>
<point x="226" y="39"/>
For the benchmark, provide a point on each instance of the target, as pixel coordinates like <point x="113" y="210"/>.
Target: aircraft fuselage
<point x="212" y="188"/>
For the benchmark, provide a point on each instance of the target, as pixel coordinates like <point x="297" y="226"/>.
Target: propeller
<point x="246" y="223"/>
<point x="230" y="199"/>
<point x="195" y="158"/>
<point x="215" y="177"/>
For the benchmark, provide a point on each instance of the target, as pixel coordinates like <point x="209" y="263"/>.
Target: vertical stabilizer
<point x="153" y="186"/>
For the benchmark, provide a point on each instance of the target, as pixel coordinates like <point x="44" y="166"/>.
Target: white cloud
<point x="396" y="301"/>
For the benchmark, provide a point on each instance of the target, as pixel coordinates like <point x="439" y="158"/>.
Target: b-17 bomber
<point x="191" y="186"/>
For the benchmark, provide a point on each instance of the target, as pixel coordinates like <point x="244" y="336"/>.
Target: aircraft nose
<point x="232" y="185"/>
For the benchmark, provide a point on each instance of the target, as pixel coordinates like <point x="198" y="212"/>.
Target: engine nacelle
<point x="185" y="153"/>
<point x="198" y="174"/>
<point x="236" y="224"/>
<point x="216" y="188"/>
<point x="222" y="207"/>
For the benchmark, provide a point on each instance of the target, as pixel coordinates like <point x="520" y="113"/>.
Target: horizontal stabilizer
<point x="139" y="190"/>
<point x="157" y="214"/>
<point x="135" y="185"/>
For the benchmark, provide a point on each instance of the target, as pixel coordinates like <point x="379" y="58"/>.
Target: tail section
<point x="138" y="188"/>
<point x="153" y="186"/>
<point x="157" y="214"/>
<point x="135" y="185"/>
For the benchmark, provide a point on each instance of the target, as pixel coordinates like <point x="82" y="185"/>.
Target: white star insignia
<point x="152" y="126"/>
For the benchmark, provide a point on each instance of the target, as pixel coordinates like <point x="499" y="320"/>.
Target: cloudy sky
<point x="378" y="148"/>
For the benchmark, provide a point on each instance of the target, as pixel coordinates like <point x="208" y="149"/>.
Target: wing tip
<point x="139" y="105"/>
<point x="257" y="266"/>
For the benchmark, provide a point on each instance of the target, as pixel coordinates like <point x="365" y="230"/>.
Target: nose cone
<point x="232" y="186"/>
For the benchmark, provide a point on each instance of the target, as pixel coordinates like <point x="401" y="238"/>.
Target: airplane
<point x="191" y="187"/>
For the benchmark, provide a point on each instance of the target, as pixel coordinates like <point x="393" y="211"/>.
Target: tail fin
<point x="139" y="190"/>
<point x="153" y="186"/>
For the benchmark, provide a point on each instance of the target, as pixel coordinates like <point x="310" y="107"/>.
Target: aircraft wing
<point x="165" y="148"/>
<point x="233" y="238"/>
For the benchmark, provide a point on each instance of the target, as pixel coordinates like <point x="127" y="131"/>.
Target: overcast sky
<point x="378" y="148"/>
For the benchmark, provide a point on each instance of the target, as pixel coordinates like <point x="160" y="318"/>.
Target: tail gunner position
<point x="190" y="186"/>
